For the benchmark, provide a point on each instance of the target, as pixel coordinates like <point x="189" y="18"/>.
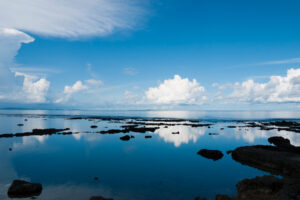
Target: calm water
<point x="164" y="167"/>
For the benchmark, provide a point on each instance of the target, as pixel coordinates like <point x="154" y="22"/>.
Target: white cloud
<point x="278" y="62"/>
<point x="69" y="18"/>
<point x="10" y="43"/>
<point x="34" y="92"/>
<point x="176" y="91"/>
<point x="130" y="71"/>
<point x="78" y="86"/>
<point x="279" y="89"/>
<point x="93" y="82"/>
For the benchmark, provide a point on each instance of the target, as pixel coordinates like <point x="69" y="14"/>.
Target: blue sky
<point x="127" y="48"/>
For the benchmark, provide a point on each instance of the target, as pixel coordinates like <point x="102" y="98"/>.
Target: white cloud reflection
<point x="186" y="134"/>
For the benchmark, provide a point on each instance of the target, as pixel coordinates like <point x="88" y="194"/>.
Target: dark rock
<point x="25" y="120"/>
<point x="24" y="189"/>
<point x="10" y="149"/>
<point x="96" y="178"/>
<point x="100" y="198"/>
<point x="229" y="152"/>
<point x="211" y="154"/>
<point x="94" y="126"/>
<point x="221" y="128"/>
<point x="264" y="187"/>
<point x="270" y="159"/>
<point x="132" y="136"/>
<point x="148" y="136"/>
<point x="125" y="138"/>
<point x="20" y="124"/>
<point x="213" y="134"/>
<point x="223" y="197"/>
<point x="280" y="142"/>
<point x="199" y="198"/>
<point x="231" y="126"/>
<point x="175" y="132"/>
<point x="49" y="131"/>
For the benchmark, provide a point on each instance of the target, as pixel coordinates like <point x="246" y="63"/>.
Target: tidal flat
<point x="139" y="157"/>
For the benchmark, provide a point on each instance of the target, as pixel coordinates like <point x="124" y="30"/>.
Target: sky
<point x="150" y="54"/>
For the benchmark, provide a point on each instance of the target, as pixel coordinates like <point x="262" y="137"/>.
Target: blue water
<point x="164" y="167"/>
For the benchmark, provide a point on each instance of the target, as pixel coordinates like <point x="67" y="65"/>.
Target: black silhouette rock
<point x="211" y="154"/>
<point x="24" y="189"/>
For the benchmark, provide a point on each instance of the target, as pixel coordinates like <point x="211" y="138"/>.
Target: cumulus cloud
<point x="77" y="87"/>
<point x="10" y="43"/>
<point x="55" y="18"/>
<point x="69" y="18"/>
<point x="176" y="91"/>
<point x="279" y="89"/>
<point x="34" y="90"/>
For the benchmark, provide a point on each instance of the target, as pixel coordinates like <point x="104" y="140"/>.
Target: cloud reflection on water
<point x="186" y="134"/>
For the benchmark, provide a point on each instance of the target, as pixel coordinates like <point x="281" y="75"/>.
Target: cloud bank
<point x="176" y="91"/>
<point x="56" y="18"/>
<point x="66" y="18"/>
<point x="279" y="89"/>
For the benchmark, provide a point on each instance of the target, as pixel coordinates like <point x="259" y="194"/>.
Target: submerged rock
<point x="148" y="136"/>
<point x="211" y="154"/>
<point x="20" y="124"/>
<point x="125" y="138"/>
<point x="100" y="198"/>
<point x="24" y="189"/>
<point x="213" y="133"/>
<point x="265" y="188"/>
<point x="94" y="126"/>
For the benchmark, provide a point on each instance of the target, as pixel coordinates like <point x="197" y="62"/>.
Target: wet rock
<point x="199" y="198"/>
<point x="113" y="131"/>
<point x="10" y="149"/>
<point x="223" y="197"/>
<point x="174" y="133"/>
<point x="20" y="124"/>
<point x="270" y="159"/>
<point x="213" y="133"/>
<point x="211" y="154"/>
<point x="125" y="138"/>
<point x="25" y="120"/>
<point x="231" y="126"/>
<point x="24" y="189"/>
<point x="265" y="188"/>
<point x="35" y="132"/>
<point x="132" y="136"/>
<point x="100" y="198"/>
<point x="94" y="126"/>
<point x="148" y="136"/>
<point x="229" y="152"/>
<point x="281" y="142"/>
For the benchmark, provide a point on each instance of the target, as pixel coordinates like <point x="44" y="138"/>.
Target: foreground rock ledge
<point x="270" y="159"/>
<point x="24" y="189"/>
<point x="282" y="159"/>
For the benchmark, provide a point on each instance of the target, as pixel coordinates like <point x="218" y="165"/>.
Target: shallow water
<point x="165" y="166"/>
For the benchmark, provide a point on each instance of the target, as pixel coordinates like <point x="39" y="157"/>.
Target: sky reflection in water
<point x="164" y="167"/>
